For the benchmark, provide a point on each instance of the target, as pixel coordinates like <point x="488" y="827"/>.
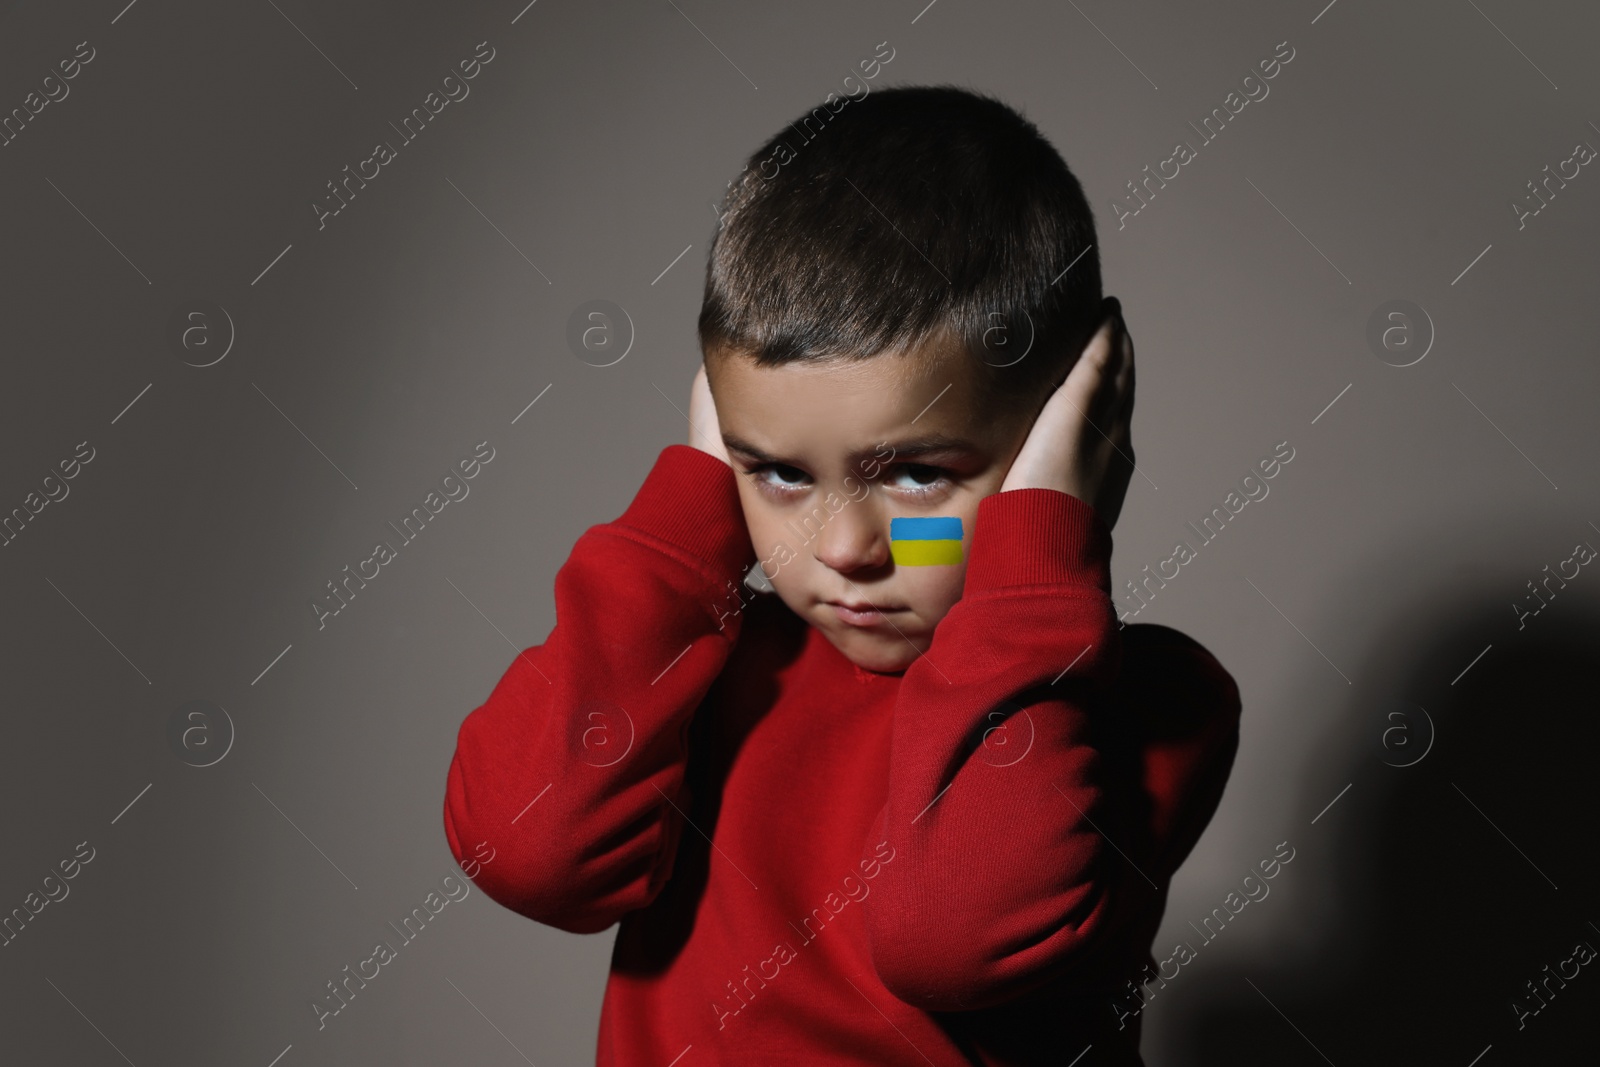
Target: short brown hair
<point x="915" y="212"/>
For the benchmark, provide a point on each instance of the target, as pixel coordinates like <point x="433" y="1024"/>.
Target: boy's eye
<point x="780" y="476"/>
<point x="915" y="477"/>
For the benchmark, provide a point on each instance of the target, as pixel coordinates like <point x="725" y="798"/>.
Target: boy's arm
<point x="1017" y="854"/>
<point x="1187" y="746"/>
<point x="573" y="769"/>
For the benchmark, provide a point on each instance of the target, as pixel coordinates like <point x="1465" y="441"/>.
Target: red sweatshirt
<point x="815" y="864"/>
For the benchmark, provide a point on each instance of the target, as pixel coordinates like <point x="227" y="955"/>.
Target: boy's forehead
<point x="928" y="387"/>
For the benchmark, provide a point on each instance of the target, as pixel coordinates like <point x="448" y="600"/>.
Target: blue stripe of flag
<point x="920" y="529"/>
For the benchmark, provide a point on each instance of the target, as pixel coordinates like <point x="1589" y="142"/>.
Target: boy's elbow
<point x="555" y="893"/>
<point x="967" y="969"/>
<point x="545" y="904"/>
<point x="512" y="864"/>
<point x="934" y="984"/>
<point x="545" y="879"/>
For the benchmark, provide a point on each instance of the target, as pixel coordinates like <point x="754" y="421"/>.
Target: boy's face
<point x="827" y="454"/>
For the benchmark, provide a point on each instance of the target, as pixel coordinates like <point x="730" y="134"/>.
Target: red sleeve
<point x="1022" y="839"/>
<point x="1186" y="709"/>
<point x="573" y="770"/>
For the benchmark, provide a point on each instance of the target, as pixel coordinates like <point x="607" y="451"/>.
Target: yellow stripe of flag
<point x="926" y="553"/>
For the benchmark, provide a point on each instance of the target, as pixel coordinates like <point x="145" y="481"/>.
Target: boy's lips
<point x="861" y="613"/>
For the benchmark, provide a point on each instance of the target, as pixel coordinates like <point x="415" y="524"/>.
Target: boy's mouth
<point x="861" y="613"/>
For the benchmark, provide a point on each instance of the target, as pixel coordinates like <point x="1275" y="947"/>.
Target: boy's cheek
<point x="766" y="530"/>
<point x="933" y="591"/>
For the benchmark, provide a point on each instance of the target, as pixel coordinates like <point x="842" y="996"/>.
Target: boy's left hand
<point x="1080" y="442"/>
<point x="705" y="431"/>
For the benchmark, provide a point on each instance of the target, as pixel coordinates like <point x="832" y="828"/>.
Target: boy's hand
<point x="1079" y="444"/>
<point x="704" y="431"/>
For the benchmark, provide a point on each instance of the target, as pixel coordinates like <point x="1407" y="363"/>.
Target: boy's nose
<point x="852" y="542"/>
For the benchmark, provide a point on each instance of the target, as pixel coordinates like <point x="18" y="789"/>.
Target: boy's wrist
<point x="690" y="500"/>
<point x="1036" y="536"/>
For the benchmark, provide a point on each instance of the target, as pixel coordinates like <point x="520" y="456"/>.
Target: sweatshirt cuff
<point x="690" y="500"/>
<point x="1038" y="537"/>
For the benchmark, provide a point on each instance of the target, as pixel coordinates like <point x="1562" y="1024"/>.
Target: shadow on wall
<point x="1464" y="888"/>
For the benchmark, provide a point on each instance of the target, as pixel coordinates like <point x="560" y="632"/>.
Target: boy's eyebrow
<point x="739" y="444"/>
<point x="929" y="442"/>
<point x="916" y="446"/>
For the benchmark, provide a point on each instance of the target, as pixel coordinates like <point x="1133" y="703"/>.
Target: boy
<point x="923" y="804"/>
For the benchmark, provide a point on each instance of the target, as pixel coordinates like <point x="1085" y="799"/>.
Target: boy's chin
<point x="874" y="653"/>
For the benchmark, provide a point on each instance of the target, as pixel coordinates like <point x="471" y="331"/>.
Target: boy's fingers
<point x="1084" y="379"/>
<point x="1091" y="387"/>
<point x="1106" y="390"/>
<point x="1105" y="342"/>
<point x="1125" y="372"/>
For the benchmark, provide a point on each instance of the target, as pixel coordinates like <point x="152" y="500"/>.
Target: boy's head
<point x="889" y="301"/>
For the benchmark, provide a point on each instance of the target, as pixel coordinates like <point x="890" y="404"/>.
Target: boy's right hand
<point x="1079" y="443"/>
<point x="704" y="431"/>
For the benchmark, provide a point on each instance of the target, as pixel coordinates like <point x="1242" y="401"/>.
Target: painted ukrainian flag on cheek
<point x="918" y="542"/>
